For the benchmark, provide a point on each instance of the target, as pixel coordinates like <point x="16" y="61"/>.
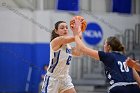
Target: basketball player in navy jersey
<point x="121" y="78"/>
<point x="58" y="79"/>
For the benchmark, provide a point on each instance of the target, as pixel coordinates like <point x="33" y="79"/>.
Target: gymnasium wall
<point x="24" y="43"/>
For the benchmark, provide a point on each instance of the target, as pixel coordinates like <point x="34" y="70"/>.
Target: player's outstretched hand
<point x="133" y="64"/>
<point x="77" y="28"/>
<point x="130" y="62"/>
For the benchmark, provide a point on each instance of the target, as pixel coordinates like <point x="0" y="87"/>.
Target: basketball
<point x="83" y="22"/>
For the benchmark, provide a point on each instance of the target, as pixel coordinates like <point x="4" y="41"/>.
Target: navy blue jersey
<point x="115" y="67"/>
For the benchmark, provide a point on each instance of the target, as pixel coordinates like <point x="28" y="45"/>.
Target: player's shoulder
<point x="105" y="53"/>
<point x="51" y="49"/>
<point x="118" y="54"/>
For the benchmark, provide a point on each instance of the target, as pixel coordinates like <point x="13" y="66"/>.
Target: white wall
<point x="14" y="28"/>
<point x="84" y="4"/>
<point x="98" y="6"/>
<point x="18" y="26"/>
<point x="138" y="7"/>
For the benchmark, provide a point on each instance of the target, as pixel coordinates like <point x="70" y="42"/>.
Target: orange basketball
<point x="83" y="22"/>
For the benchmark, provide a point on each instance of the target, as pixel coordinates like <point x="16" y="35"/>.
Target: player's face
<point x="106" y="47"/>
<point x="62" y="29"/>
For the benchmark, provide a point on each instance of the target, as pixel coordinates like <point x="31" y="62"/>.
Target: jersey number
<point x="68" y="60"/>
<point x="123" y="66"/>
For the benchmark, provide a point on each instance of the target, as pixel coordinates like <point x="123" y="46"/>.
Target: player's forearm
<point x="60" y="41"/>
<point x="79" y="43"/>
<point x="86" y="51"/>
<point x="137" y="66"/>
<point x="136" y="76"/>
<point x="68" y="39"/>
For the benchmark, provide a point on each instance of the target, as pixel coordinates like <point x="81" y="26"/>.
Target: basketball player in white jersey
<point x="58" y="79"/>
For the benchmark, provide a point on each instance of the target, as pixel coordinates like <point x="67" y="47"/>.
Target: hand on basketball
<point x="78" y="25"/>
<point x="77" y="28"/>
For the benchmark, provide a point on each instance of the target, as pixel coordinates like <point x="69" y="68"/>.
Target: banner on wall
<point x="68" y="5"/>
<point x="122" y="6"/>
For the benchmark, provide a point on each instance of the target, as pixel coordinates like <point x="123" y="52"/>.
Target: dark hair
<point x="115" y="44"/>
<point x="54" y="35"/>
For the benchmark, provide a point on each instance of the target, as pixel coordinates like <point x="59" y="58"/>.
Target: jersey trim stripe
<point x="55" y="54"/>
<point x="47" y="84"/>
<point x="121" y="84"/>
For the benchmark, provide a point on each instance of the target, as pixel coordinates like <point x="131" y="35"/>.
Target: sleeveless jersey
<point x="115" y="67"/>
<point x="60" y="61"/>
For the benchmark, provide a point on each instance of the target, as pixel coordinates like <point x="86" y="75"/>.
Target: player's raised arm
<point x="87" y="51"/>
<point x="136" y="76"/>
<point x="60" y="35"/>
<point x="61" y="40"/>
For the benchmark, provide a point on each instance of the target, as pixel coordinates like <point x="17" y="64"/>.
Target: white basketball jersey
<point x="60" y="61"/>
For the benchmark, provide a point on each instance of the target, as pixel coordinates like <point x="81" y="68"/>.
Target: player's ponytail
<point x="115" y="44"/>
<point x="121" y="48"/>
<point x="54" y="34"/>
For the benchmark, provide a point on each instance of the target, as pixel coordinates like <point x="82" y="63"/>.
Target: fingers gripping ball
<point x="81" y="19"/>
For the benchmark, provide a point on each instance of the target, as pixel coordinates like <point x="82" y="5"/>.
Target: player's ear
<point x="109" y="47"/>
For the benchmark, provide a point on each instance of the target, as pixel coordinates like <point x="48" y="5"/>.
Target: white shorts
<point x="58" y="85"/>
